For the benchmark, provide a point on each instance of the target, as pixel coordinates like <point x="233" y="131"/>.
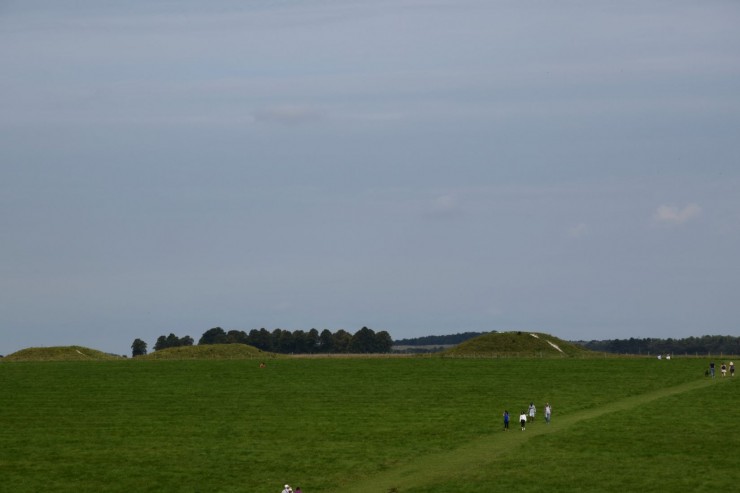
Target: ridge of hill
<point x="60" y="353"/>
<point x="209" y="351"/>
<point x="520" y="343"/>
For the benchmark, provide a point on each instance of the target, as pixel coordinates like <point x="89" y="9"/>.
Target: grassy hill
<point x="60" y="353"/>
<point x="505" y="344"/>
<point x="80" y="353"/>
<point x="209" y="351"/>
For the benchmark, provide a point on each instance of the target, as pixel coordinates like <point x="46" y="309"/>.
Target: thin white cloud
<point x="673" y="215"/>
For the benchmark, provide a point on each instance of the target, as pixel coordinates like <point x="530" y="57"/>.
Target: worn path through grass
<point x="464" y="460"/>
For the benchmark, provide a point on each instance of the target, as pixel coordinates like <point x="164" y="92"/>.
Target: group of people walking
<point x="722" y="368"/>
<point x="529" y="415"/>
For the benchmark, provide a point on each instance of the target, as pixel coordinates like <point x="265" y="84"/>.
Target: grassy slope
<point x="209" y="352"/>
<point x="79" y="353"/>
<point x="60" y="353"/>
<point x="606" y="448"/>
<point x="334" y="424"/>
<point x="682" y="442"/>
<point x="504" y="344"/>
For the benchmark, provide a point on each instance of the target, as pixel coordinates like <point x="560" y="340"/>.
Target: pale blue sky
<point x="421" y="167"/>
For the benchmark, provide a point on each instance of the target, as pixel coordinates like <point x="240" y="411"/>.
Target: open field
<point x="366" y="425"/>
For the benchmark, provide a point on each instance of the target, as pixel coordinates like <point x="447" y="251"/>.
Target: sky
<point x="424" y="167"/>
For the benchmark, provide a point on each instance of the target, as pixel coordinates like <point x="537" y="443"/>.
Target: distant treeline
<point x="691" y="345"/>
<point x="439" y="340"/>
<point x="367" y="340"/>
<point x="433" y="344"/>
<point x="364" y="340"/>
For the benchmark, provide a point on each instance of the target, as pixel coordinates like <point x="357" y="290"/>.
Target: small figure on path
<point x="523" y="420"/>
<point x="711" y="369"/>
<point x="548" y="412"/>
<point x="506" y="420"/>
<point x="723" y="369"/>
<point x="732" y="369"/>
<point x="532" y="411"/>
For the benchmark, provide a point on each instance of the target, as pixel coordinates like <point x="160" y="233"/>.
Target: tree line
<point x="368" y="341"/>
<point x="282" y="341"/>
<point x="443" y="340"/>
<point x="709" y="344"/>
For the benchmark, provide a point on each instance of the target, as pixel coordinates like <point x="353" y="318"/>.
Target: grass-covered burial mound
<point x="521" y="343"/>
<point x="60" y="353"/>
<point x="209" y="351"/>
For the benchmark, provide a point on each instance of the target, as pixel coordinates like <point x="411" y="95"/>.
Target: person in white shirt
<point x="523" y="420"/>
<point x="548" y="412"/>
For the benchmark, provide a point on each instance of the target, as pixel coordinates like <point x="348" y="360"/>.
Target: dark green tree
<point x="260" y="339"/>
<point x="161" y="343"/>
<point x="138" y="348"/>
<point x="326" y="341"/>
<point x="237" y="337"/>
<point x="215" y="335"/>
<point x="173" y="340"/>
<point x="276" y="340"/>
<point x="340" y="341"/>
<point x="383" y="342"/>
<point x="300" y="342"/>
<point x="287" y="342"/>
<point x="363" y="341"/>
<point x="312" y="341"/>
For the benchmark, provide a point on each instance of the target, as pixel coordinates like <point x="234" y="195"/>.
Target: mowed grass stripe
<point x="482" y="452"/>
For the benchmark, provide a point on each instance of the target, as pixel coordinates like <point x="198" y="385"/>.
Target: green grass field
<point x="366" y="425"/>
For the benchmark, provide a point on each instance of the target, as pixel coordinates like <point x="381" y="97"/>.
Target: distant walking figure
<point x="711" y="369"/>
<point x="732" y="369"/>
<point x="506" y="420"/>
<point x="532" y="411"/>
<point x="723" y="369"/>
<point x="548" y="412"/>
<point x="523" y="420"/>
